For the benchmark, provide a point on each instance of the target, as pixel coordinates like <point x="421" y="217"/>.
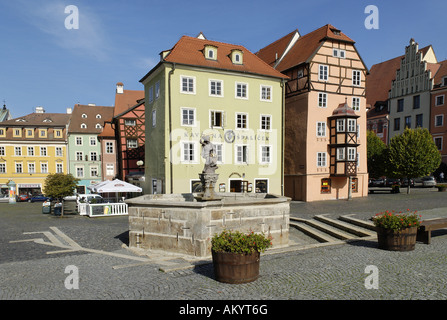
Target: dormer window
<point x="335" y="32"/>
<point x="83" y="126"/>
<point x="20" y="120"/>
<point x="236" y="56"/>
<point x="98" y="126"/>
<point x="47" y="120"/>
<point x="84" y="116"/>
<point x="98" y="116"/>
<point x="210" y="52"/>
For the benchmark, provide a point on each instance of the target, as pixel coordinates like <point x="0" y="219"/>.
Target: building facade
<point x="409" y="97"/>
<point x="31" y="148"/>
<point x="87" y="122"/>
<point x="326" y="73"/>
<point x="438" y="125"/>
<point x="208" y="88"/>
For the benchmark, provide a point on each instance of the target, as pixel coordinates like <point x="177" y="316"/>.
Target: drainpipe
<point x="282" y="136"/>
<point x="171" y="72"/>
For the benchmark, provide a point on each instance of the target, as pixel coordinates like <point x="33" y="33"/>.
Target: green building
<point x="202" y="87"/>
<point x="84" y="149"/>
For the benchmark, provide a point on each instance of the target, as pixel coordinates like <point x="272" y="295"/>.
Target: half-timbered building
<point x="325" y="71"/>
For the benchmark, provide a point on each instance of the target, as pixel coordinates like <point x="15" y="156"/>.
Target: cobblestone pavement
<point x="107" y="270"/>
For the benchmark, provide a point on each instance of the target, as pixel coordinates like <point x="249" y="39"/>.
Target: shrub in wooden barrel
<point x="232" y="267"/>
<point x="404" y="240"/>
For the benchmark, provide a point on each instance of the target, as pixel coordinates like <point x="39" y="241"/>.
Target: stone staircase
<point x="325" y="229"/>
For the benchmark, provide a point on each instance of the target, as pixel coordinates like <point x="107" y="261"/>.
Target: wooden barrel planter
<point x="404" y="240"/>
<point x="235" y="267"/>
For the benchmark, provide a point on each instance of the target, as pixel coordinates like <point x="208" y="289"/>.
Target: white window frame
<point x="130" y="122"/>
<point x="79" y="169"/>
<point x="356" y="103"/>
<point x="58" y="151"/>
<point x="44" y="167"/>
<point x="241" y="154"/>
<point x="322" y="99"/>
<point x="186" y="148"/>
<point x="442" y="142"/>
<point x="323" y="72"/>
<point x="341" y="156"/>
<point x="95" y="168"/>
<point x="110" y="169"/>
<point x="321" y="159"/>
<point x="436" y="100"/>
<point x="18" y="151"/>
<point x="182" y="118"/>
<point x="94" y="154"/>
<point x="218" y="86"/>
<point x="265" y="156"/>
<point x="356" y="78"/>
<point x="79" y="141"/>
<point x="265" y="119"/>
<point x="59" y="168"/>
<point x="266" y="93"/>
<point x="241" y="121"/>
<point x="2" y="151"/>
<point x="43" y="151"/>
<point x="31" y="167"/>
<point x="190" y="88"/>
<point x="79" y="155"/>
<point x="3" y="167"/>
<point x="321" y="129"/>
<point x="132" y="143"/>
<point x="110" y="146"/>
<point x="219" y="152"/>
<point x="352" y="154"/>
<point x="341" y="126"/>
<point x="30" y="154"/>
<point x="94" y="141"/>
<point x="442" y="120"/>
<point x="352" y="125"/>
<point x="222" y="118"/>
<point x="339" y="53"/>
<point x="17" y="166"/>
<point x="244" y="87"/>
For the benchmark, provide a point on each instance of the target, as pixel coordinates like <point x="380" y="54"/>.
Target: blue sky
<point x="42" y="63"/>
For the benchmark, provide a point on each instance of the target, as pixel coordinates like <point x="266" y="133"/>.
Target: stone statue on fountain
<point x="208" y="177"/>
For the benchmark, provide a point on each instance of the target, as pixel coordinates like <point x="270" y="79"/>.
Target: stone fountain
<point x="185" y="223"/>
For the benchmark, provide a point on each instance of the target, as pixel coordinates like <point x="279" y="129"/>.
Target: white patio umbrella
<point x="114" y="186"/>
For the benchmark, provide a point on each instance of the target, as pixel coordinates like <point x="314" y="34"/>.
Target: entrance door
<point x="235" y="185"/>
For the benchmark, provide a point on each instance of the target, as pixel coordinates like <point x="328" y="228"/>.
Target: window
<point x="339" y="53"/>
<point x="2" y="167"/>
<point x="130" y="122"/>
<point x="241" y="90"/>
<point x="31" y="168"/>
<point x="356" y="103"/>
<point x="109" y="147"/>
<point x="2" y="151"/>
<point x="265" y="154"/>
<point x="44" y="167"/>
<point x="216" y="88"/>
<point x="187" y="84"/>
<point x="352" y="153"/>
<point x="98" y="116"/>
<point x="321" y="159"/>
<point x="79" y="156"/>
<point x="323" y="72"/>
<point x="31" y="151"/>
<point x="396" y="124"/>
<point x="188" y="117"/>
<point x="79" y="141"/>
<point x="17" y="133"/>
<point x="322" y="100"/>
<point x="444" y="81"/>
<point x="439" y="100"/>
<point x="154" y="118"/>
<point x="93" y="141"/>
<point x="439" y="120"/>
<point x="419" y="119"/>
<point x="98" y="126"/>
<point x="43" y="133"/>
<point x="110" y="169"/>
<point x="18" y="151"/>
<point x="400" y="105"/>
<point x="219" y="152"/>
<point x="93" y="156"/>
<point x="216" y="119"/>
<point x="356" y="77"/>
<point x="325" y="185"/>
<point x="19" y="167"/>
<point x="29" y="133"/>
<point x="2" y="132"/>
<point x="352" y="125"/>
<point x="79" y="172"/>
<point x="408" y="122"/>
<point x="59" y="168"/>
<point x="58" y="133"/>
<point x="266" y="121"/>
<point x="43" y="151"/>
<point x="132" y="143"/>
<point x="241" y="154"/>
<point x="94" y="172"/>
<point x="266" y="93"/>
<point x="188" y="151"/>
<point x="340" y="154"/>
<point x="321" y="129"/>
<point x="151" y="94"/>
<point x="84" y="116"/>
<point x="438" y="142"/>
<point x="241" y="121"/>
<point x="340" y="125"/>
<point x="416" y="102"/>
<point x="157" y="90"/>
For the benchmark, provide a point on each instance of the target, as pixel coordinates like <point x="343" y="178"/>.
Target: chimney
<point x="119" y="88"/>
<point x="92" y="104"/>
<point x="39" y="110"/>
<point x="69" y="110"/>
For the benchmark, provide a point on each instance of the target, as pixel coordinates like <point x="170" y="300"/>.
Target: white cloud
<point x="49" y="17"/>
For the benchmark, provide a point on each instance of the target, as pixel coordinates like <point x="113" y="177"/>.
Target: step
<point x="334" y="232"/>
<point x="358" y="222"/>
<point x="310" y="231"/>
<point x="361" y="232"/>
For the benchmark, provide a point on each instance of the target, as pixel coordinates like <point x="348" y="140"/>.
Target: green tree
<point x="60" y="185"/>
<point x="413" y="154"/>
<point x="376" y="155"/>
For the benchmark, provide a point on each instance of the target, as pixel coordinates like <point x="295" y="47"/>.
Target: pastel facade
<point x="202" y="87"/>
<point x="326" y="72"/>
<point x="31" y="147"/>
<point x="438" y="121"/>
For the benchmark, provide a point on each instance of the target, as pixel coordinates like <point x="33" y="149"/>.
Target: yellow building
<point x="31" y="147"/>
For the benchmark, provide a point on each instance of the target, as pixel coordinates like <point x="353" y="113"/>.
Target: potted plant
<point x="441" y="187"/>
<point x="236" y="255"/>
<point x="397" y="231"/>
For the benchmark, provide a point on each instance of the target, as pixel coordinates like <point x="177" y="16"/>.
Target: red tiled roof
<point x="189" y="51"/>
<point x="275" y="50"/>
<point x="441" y="73"/>
<point x="126" y="100"/>
<point x="307" y="45"/>
<point x="91" y="120"/>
